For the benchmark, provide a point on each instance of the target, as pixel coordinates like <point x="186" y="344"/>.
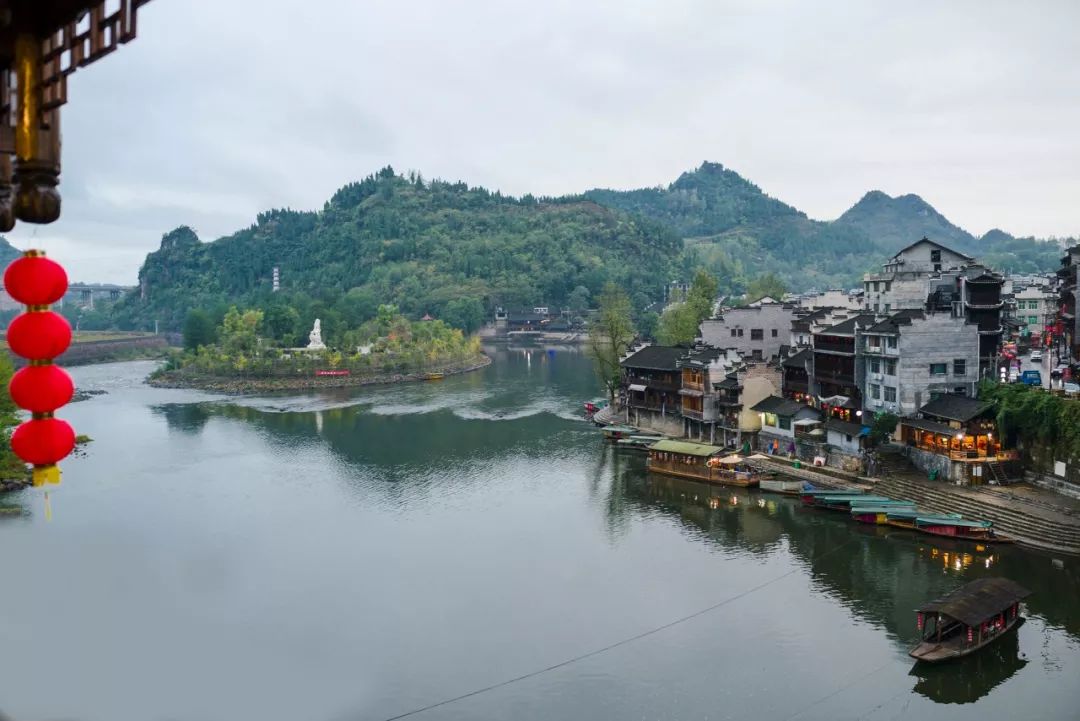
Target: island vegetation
<point x="241" y="354"/>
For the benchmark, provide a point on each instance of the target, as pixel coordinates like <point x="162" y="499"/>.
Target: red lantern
<point x="35" y="280"/>
<point x="41" y="388"/>
<point x="40" y="335"/>
<point x="971" y="634"/>
<point x="43" y="442"/>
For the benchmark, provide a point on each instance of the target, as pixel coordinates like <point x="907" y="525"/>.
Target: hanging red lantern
<point x="39" y="335"/>
<point x="41" y="388"/>
<point x="43" y="442"/>
<point x="35" y="280"/>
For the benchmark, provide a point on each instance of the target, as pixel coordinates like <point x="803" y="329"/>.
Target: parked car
<point x="1071" y="389"/>
<point x="1036" y="356"/>
<point x="1031" y="378"/>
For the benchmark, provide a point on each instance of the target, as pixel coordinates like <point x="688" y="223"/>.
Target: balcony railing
<point x="830" y="346"/>
<point x="654" y="384"/>
<point x="692" y="414"/>
<point x="841" y="377"/>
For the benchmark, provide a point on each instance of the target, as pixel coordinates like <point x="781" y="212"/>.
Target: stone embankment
<point x="239" y="385"/>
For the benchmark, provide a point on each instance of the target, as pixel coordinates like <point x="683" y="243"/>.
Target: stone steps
<point x="1033" y="526"/>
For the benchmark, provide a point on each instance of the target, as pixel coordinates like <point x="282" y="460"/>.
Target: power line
<point x="623" y="642"/>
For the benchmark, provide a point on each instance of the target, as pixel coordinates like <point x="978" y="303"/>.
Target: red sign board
<point x="343" y="372"/>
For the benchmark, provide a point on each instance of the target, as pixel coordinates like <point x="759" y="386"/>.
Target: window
<point x="774" y="333"/>
<point x="935" y="256"/>
<point x="847" y="436"/>
<point x="876" y="307"/>
<point x="732" y="332"/>
<point x="757" y="334"/>
<point x="873" y="343"/>
<point x="891" y="343"/>
<point x="960" y="391"/>
<point x="875" y="391"/>
<point x="888" y="286"/>
<point x="785" y="423"/>
<point x="875" y="365"/>
<point x="890" y="394"/>
<point x="875" y="286"/>
<point x="740" y="332"/>
<point x="959" y="367"/>
<point x="1033" y="319"/>
<point x="890" y="366"/>
<point x="887" y="306"/>
<point x="755" y="354"/>
<point x="939" y="369"/>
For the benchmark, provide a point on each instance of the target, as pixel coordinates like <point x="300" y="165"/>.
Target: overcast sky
<point x="222" y="108"/>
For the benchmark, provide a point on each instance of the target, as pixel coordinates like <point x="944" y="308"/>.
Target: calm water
<point x="356" y="555"/>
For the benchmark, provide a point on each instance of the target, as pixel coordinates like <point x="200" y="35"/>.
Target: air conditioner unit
<point x="878" y="404"/>
<point x="875" y="376"/>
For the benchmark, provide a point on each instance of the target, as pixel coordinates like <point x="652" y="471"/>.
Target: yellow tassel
<point x="46" y="476"/>
<point x="48" y="507"/>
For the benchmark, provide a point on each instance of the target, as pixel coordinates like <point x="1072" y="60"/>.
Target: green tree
<point x="198" y="329"/>
<point x="883" y="425"/>
<point x="464" y="313"/>
<point x="680" y="323"/>
<point x="280" y="323"/>
<point x="239" y="331"/>
<point x="578" y="300"/>
<point x="10" y="464"/>
<point x="357" y="306"/>
<point x="765" y="285"/>
<point x="610" y="335"/>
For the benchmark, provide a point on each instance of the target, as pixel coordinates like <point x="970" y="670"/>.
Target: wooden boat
<point x="874" y="514"/>
<point x="844" y="501"/>
<point x="905" y="517"/>
<point x="981" y="531"/>
<point x="967" y="619"/>
<point x="701" y="462"/>
<point x="433" y="376"/>
<point x="637" y="443"/>
<point x="787" y="486"/>
<point x="810" y="494"/>
<point x="614" y="433"/>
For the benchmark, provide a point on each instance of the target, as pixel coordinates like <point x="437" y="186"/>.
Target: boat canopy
<point x="916" y="513"/>
<point x="731" y="460"/>
<point x="618" y="429"/>
<point x="856" y="510"/>
<point x="973" y="603"/>
<point x="961" y="522"/>
<point x="686" y="448"/>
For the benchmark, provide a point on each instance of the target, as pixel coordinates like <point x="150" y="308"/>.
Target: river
<point x="364" y="553"/>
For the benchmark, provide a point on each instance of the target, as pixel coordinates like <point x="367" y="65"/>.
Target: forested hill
<point x="428" y="247"/>
<point x="8" y="252"/>
<point x="736" y="229"/>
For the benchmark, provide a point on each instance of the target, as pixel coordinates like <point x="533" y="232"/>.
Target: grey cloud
<point x="224" y="108"/>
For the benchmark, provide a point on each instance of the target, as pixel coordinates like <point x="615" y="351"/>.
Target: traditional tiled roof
<point x="779" y="406"/>
<point x="955" y="408"/>
<point x="934" y="243"/>
<point x="851" y="429"/>
<point x="798" y="360"/>
<point x="847" y="327"/>
<point x="891" y="325"/>
<point x="655" y="357"/>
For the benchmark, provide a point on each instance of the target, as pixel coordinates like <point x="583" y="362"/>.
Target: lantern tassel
<point x="48" y="507"/>
<point x="46" y="475"/>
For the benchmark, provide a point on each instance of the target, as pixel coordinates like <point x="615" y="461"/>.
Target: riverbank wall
<point x="240" y="384"/>
<point x="112" y="347"/>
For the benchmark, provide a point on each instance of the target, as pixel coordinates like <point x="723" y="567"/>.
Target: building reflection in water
<point x="881" y="577"/>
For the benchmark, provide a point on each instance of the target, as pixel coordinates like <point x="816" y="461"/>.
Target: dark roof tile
<point x="954" y="408"/>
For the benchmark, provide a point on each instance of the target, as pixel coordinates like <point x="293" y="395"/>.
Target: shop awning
<point x="635" y="387"/>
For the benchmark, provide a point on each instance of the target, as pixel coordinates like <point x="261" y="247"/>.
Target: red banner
<point x="343" y="372"/>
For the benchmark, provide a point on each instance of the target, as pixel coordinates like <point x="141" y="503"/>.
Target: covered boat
<point x="905" y="517"/>
<point x="614" y="433"/>
<point x="876" y="513"/>
<point x="808" y="495"/>
<point x="967" y="619"/>
<point x="959" y="528"/>
<point x="845" y="501"/>
<point x="702" y="462"/>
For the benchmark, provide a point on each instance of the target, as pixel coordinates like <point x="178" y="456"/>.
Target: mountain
<point x="8" y="252"/>
<point x="737" y="231"/>
<point x="428" y="247"/>
<point x="896" y="222"/>
<point x="733" y="228"/>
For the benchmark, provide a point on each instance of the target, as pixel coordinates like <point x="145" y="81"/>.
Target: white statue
<point x="315" y="337"/>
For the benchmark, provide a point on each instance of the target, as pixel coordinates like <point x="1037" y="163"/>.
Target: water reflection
<point x="968" y="679"/>
<point x="881" y="575"/>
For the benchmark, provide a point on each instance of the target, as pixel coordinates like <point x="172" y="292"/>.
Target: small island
<point x="390" y="348"/>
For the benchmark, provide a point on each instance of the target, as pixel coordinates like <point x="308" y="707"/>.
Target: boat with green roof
<point x="702" y="462"/>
